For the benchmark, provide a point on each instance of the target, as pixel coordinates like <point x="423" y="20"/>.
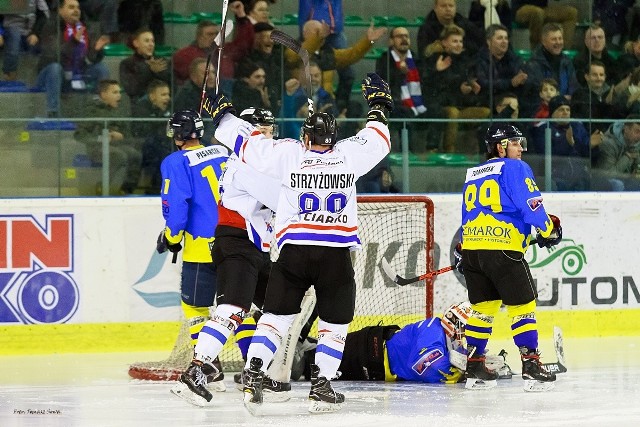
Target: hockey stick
<point x="223" y="35"/>
<point x="402" y="281"/>
<point x="280" y="368"/>
<point x="219" y="43"/>
<point x="287" y="41"/>
<point x="558" y="367"/>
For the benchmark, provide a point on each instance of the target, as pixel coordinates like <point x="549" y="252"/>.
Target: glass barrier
<point x="457" y="81"/>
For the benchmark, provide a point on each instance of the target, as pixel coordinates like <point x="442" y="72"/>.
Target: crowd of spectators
<point x="459" y="68"/>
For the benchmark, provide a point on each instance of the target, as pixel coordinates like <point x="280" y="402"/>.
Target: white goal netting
<point x="398" y="228"/>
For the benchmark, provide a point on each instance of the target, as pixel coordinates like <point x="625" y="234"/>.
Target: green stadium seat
<point x="176" y="18"/>
<point x="164" y="50"/>
<point x="117" y="49"/>
<point x="288" y="19"/>
<point x="375" y="53"/>
<point x="615" y="54"/>
<point x="120" y="49"/>
<point x="397" y="21"/>
<point x="355" y="21"/>
<point x="215" y="17"/>
<point x="415" y="23"/>
<point x="525" y="54"/>
<point x="570" y="53"/>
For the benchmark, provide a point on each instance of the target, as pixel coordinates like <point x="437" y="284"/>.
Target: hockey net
<point x="397" y="227"/>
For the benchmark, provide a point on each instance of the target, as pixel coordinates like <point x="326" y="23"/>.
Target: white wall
<point x="94" y="260"/>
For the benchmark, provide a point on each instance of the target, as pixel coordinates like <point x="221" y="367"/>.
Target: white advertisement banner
<point x="595" y="267"/>
<point x="93" y="260"/>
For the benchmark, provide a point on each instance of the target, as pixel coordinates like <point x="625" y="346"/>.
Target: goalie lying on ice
<point x="430" y="351"/>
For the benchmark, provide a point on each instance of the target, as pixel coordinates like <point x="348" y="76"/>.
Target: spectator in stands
<point x="104" y="12"/>
<point x="445" y="13"/>
<point x="535" y="13"/>
<point x="330" y="12"/>
<point x="139" y="69"/>
<point x="633" y="21"/>
<point x="206" y="32"/>
<point x="449" y="78"/>
<point x="295" y="103"/>
<point x="330" y="59"/>
<point x="401" y="69"/>
<point x="258" y="11"/>
<point x="498" y="12"/>
<point x="506" y="107"/>
<point x="69" y="59"/>
<point x="155" y="145"/>
<point x="204" y="42"/>
<point x="548" y="91"/>
<point x="612" y="16"/>
<point x="249" y="89"/>
<point x="595" y="49"/>
<point x="17" y="30"/>
<point x="189" y="94"/>
<point x="380" y="179"/>
<point x="136" y="14"/>
<point x="590" y="102"/>
<point x="570" y="146"/>
<point x="498" y="68"/>
<point x="548" y="61"/>
<point x="124" y="153"/>
<point x="630" y="59"/>
<point x="268" y="55"/>
<point x="617" y="168"/>
<point x="625" y="96"/>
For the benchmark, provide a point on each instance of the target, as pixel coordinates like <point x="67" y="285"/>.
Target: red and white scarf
<point x="76" y="62"/>
<point x="410" y="91"/>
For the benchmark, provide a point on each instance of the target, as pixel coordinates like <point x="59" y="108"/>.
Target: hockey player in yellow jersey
<point x="501" y="203"/>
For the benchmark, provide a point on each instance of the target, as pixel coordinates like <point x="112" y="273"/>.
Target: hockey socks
<point x="331" y="339"/>
<point x="216" y="331"/>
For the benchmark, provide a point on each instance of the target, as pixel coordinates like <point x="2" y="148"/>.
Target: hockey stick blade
<point x="403" y="281"/>
<point x="559" y="366"/>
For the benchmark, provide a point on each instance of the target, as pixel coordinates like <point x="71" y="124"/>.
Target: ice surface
<point x="601" y="387"/>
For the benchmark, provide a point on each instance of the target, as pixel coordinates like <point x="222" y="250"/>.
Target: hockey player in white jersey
<point x="240" y="251"/>
<point x="316" y="227"/>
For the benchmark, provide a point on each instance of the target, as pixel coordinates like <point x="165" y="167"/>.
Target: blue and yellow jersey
<point x="418" y="352"/>
<point x="190" y="195"/>
<point x="501" y="202"/>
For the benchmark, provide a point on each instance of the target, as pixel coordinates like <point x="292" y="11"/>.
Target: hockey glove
<point x="377" y="94"/>
<point x="217" y="106"/>
<point x="554" y="238"/>
<point x="163" y="244"/>
<point x="457" y="254"/>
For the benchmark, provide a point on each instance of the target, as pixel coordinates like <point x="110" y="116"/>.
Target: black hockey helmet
<point x="260" y="117"/>
<point x="502" y="133"/>
<point x="185" y="125"/>
<point x="321" y="128"/>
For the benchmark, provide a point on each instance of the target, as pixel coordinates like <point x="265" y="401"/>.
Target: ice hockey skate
<point x="272" y="390"/>
<point x="536" y="377"/>
<point x="252" y="387"/>
<point x="479" y="377"/>
<point x="192" y="385"/>
<point x="323" y="397"/>
<point x="215" y="380"/>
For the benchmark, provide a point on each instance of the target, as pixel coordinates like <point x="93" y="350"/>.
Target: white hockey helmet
<point x="454" y="320"/>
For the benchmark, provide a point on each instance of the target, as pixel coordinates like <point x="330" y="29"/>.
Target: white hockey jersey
<point x="317" y="199"/>
<point x="253" y="195"/>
